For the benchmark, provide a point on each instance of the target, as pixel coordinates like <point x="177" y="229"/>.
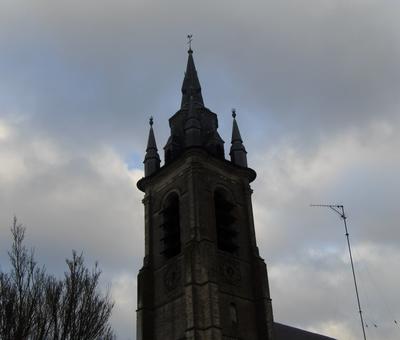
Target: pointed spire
<point x="238" y="151"/>
<point x="152" y="159"/>
<point x="191" y="83"/>
<point x="192" y="126"/>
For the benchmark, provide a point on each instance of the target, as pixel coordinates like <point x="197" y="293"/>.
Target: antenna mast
<point x="339" y="209"/>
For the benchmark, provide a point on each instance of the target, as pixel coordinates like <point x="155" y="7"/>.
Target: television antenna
<point x="339" y="209"/>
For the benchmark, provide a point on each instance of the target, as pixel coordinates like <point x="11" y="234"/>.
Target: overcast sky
<point x="316" y="85"/>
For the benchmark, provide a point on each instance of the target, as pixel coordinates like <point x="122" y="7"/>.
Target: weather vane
<point x="190" y="38"/>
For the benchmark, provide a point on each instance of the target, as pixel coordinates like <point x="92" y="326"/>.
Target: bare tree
<point x="79" y="311"/>
<point x="35" y="305"/>
<point x="21" y="290"/>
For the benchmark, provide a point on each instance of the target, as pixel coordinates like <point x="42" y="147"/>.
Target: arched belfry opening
<point x="170" y="227"/>
<point x="227" y="233"/>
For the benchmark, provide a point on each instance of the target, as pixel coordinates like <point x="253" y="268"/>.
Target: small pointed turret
<point x="152" y="159"/>
<point x="191" y="84"/>
<point x="238" y="151"/>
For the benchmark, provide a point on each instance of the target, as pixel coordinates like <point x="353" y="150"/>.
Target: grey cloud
<point x="306" y="248"/>
<point x="86" y="201"/>
<point x="98" y="69"/>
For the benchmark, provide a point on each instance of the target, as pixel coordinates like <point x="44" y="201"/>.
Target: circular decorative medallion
<point x="230" y="271"/>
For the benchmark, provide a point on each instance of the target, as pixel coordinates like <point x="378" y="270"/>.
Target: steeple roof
<point x="191" y="84"/>
<point x="151" y="141"/>
<point x="236" y="137"/>
<point x="193" y="125"/>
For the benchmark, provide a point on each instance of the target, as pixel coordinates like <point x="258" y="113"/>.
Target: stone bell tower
<point x="202" y="276"/>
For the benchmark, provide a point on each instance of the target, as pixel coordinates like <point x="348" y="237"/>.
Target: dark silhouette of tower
<point x="202" y="276"/>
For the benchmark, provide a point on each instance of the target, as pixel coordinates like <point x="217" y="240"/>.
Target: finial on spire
<point x="190" y="38"/>
<point x="234" y="113"/>
<point x="151" y="121"/>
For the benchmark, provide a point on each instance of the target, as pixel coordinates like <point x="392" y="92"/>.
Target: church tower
<point x="202" y="276"/>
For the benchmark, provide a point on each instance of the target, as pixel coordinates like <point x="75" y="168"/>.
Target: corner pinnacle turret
<point x="238" y="151"/>
<point x="152" y="159"/>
